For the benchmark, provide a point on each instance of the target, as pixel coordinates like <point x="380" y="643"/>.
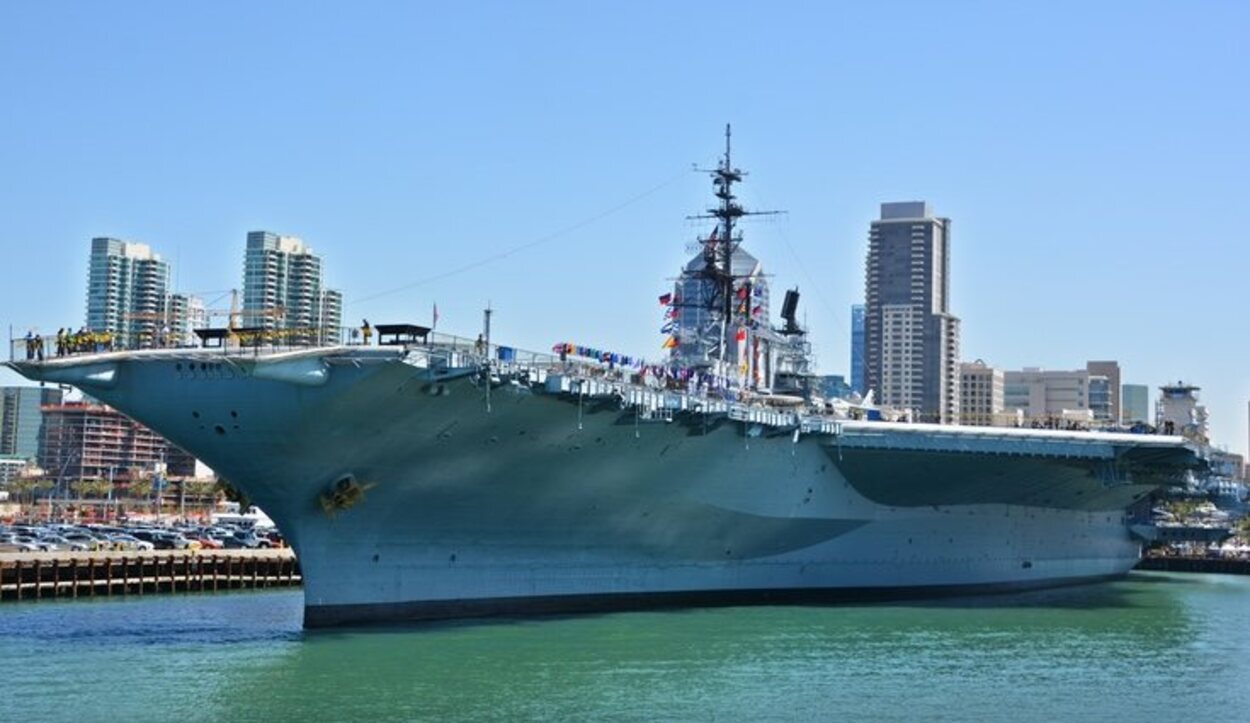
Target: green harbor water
<point x="1153" y="647"/>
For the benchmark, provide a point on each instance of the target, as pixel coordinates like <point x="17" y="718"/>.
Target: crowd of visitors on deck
<point x="68" y="342"/>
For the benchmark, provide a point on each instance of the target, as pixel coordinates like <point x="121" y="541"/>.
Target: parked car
<point x="154" y="538"/>
<point x="180" y="541"/>
<point x="252" y="541"/>
<point x="63" y="543"/>
<point x="39" y="544"/>
<point x="230" y="542"/>
<point x="93" y="542"/>
<point x="207" y="542"/>
<point x="130" y="542"/>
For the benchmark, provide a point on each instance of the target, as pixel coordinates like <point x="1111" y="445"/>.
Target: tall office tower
<point x="1135" y="403"/>
<point x="126" y="288"/>
<point x="911" y="340"/>
<point x="21" y="419"/>
<point x="282" y="287"/>
<point x="857" y="348"/>
<point x="1110" y="411"/>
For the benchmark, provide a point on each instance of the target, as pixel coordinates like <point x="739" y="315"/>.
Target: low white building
<point x="11" y="467"/>
<point x="1046" y="395"/>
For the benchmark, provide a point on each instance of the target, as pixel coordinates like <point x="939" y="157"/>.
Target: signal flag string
<point x="525" y="246"/>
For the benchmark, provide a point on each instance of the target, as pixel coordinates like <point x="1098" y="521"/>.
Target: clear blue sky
<point x="1094" y="158"/>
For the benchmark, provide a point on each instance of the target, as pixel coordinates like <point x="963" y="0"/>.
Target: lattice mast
<point x="719" y="246"/>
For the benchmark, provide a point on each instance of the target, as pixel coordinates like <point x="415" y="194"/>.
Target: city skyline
<point x="1091" y="217"/>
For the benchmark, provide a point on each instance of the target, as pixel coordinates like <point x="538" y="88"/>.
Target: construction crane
<point x="233" y="313"/>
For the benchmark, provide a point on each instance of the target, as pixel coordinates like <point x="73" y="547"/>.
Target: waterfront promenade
<point x="39" y="575"/>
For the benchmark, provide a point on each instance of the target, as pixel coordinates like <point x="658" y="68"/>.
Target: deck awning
<point x="400" y="334"/>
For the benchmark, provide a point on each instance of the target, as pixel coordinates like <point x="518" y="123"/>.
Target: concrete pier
<point x="1219" y="565"/>
<point x="39" y="575"/>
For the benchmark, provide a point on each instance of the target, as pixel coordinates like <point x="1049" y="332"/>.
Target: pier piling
<point x="39" y="575"/>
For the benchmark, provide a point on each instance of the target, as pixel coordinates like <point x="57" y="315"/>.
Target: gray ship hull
<point x="543" y="501"/>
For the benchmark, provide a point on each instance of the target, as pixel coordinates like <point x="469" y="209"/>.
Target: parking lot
<point x="68" y="537"/>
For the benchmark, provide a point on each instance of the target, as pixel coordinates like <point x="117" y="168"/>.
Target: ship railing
<point x="36" y="347"/>
<point x="505" y="359"/>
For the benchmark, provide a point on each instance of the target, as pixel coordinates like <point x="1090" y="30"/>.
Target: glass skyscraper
<point x="21" y="419"/>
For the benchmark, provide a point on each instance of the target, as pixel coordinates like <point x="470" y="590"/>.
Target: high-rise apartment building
<point x="331" y="317"/>
<point x="84" y="441"/>
<point x="185" y="314"/>
<point x="282" y="288"/>
<point x="1106" y="406"/>
<point x="980" y="394"/>
<point x="857" y="348"/>
<point x="1135" y="404"/>
<point x="22" y="419"/>
<point x="911" y="340"/>
<point x="127" y="285"/>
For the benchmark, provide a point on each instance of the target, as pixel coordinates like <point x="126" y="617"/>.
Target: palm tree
<point x="139" y="487"/>
<point x="31" y="485"/>
<point x="200" y="488"/>
<point x="91" y="487"/>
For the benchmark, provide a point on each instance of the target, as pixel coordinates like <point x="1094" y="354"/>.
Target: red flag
<point x="666" y="299"/>
<point x="742" y="335"/>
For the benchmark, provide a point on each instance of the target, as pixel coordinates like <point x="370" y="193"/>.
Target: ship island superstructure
<point x="439" y="477"/>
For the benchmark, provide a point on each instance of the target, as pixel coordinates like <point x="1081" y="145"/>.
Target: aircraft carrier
<point x="442" y="477"/>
